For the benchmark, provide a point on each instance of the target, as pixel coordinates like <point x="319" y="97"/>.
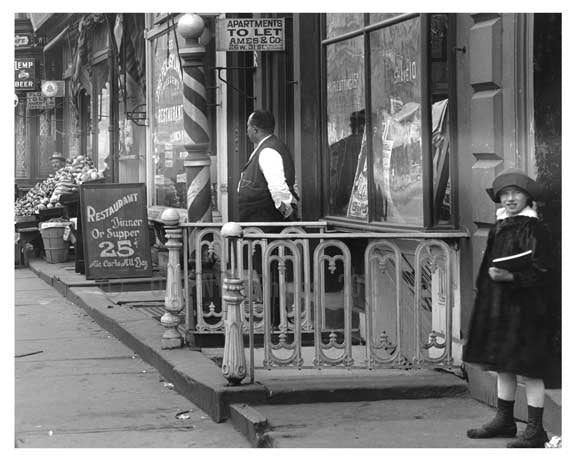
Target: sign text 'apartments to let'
<point x="250" y="34"/>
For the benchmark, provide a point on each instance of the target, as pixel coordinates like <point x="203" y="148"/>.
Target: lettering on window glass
<point x="405" y="70"/>
<point x="347" y="84"/>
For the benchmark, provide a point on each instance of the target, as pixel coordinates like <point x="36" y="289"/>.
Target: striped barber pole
<point x="195" y="119"/>
<point x="199" y="197"/>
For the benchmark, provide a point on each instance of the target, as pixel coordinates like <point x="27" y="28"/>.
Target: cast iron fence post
<point x="234" y="360"/>
<point x="174" y="300"/>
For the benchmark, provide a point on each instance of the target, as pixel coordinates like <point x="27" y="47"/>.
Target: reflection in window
<point x="103" y="131"/>
<point x="378" y="17"/>
<point x="345" y="122"/>
<point x="397" y="123"/>
<point x="341" y="23"/>
<point x="440" y="118"/>
<point x="169" y="136"/>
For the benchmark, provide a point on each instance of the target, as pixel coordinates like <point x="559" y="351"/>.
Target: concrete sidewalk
<point x="77" y="386"/>
<point x="253" y="408"/>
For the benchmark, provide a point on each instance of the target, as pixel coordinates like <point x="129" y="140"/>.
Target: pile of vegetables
<point x="46" y="194"/>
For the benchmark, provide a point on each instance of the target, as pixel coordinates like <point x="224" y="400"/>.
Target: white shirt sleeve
<point x="272" y="167"/>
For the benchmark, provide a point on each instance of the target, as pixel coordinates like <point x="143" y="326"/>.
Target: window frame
<point x="428" y="216"/>
<point x="158" y="26"/>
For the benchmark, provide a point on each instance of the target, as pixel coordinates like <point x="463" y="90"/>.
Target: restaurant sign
<point x="115" y="231"/>
<point x="25" y="74"/>
<point x="250" y="34"/>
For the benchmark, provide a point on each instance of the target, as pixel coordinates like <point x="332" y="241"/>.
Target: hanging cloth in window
<point x="80" y="75"/>
<point x="133" y="50"/>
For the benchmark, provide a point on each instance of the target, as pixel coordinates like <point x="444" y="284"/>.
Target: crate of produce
<point x="21" y="222"/>
<point x="50" y="213"/>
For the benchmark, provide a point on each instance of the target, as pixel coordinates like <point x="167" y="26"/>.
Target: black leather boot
<point x="503" y="424"/>
<point x="534" y="436"/>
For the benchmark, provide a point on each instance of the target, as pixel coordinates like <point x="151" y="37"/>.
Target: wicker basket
<point x="55" y="247"/>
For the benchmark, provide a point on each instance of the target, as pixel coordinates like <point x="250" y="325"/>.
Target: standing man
<point x="266" y="188"/>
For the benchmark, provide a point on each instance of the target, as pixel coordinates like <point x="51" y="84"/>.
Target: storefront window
<point x="397" y="123"/>
<point x="345" y="123"/>
<point x="103" y="127"/>
<point x="169" y="136"/>
<point x="377" y="17"/>
<point x="341" y="23"/>
<point x="102" y="113"/>
<point x="22" y="159"/>
<point x="440" y="118"/>
<point x="380" y="174"/>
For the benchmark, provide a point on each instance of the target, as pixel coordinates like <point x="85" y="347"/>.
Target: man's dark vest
<point x="254" y="200"/>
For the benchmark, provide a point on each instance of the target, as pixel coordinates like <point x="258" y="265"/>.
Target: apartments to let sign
<point x="250" y="34"/>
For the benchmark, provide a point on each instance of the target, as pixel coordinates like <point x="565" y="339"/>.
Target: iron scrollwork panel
<point x="287" y="350"/>
<point x="209" y="252"/>
<point x="435" y="345"/>
<point x="338" y="348"/>
<point x="381" y="258"/>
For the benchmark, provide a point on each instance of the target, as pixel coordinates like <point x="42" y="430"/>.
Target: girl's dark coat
<point x="509" y="325"/>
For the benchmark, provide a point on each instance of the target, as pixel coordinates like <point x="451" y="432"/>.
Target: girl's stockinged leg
<point x="507" y="386"/>
<point x="535" y="392"/>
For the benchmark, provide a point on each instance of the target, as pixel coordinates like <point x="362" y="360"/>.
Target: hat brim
<point x="536" y="193"/>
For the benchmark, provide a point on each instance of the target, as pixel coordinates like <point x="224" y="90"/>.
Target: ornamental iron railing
<point x="307" y="297"/>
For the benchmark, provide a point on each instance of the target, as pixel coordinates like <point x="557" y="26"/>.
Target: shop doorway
<point x="547" y="75"/>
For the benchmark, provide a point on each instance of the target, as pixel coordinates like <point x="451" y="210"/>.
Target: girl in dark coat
<point x="507" y="330"/>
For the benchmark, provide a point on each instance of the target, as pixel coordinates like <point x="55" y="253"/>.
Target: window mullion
<point x="368" y="126"/>
<point x="427" y="168"/>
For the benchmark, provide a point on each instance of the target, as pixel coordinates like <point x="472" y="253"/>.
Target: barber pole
<point x="199" y="196"/>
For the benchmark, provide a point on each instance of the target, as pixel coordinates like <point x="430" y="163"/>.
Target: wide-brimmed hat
<point x="58" y="156"/>
<point x="517" y="178"/>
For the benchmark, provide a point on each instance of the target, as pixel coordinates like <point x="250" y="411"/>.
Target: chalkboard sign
<point x="115" y="231"/>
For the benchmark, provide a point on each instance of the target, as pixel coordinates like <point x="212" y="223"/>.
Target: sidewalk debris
<point x="554" y="442"/>
<point x="27" y="354"/>
<point x="183" y="415"/>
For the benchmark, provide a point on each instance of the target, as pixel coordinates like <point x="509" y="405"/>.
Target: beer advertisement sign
<point x="25" y="74"/>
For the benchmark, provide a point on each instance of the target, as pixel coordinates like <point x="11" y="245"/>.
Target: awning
<point x="37" y="19"/>
<point x="56" y="39"/>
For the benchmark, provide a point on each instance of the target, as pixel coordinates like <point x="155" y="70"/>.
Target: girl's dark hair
<point x="263" y="120"/>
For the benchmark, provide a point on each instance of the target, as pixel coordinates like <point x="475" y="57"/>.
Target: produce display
<point x="47" y="193"/>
